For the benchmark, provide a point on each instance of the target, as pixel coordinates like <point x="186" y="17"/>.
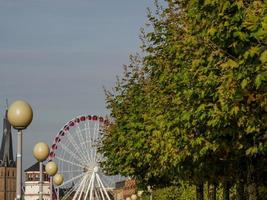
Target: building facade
<point x="32" y="177"/>
<point x="124" y="189"/>
<point x="7" y="164"/>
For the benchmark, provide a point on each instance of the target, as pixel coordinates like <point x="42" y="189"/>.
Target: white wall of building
<point x="32" y="190"/>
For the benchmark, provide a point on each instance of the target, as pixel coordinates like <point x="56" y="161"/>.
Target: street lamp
<point x="58" y="180"/>
<point x="140" y="193"/>
<point x="41" y="153"/>
<point x="51" y="169"/>
<point x="134" y="197"/>
<point x="19" y="116"/>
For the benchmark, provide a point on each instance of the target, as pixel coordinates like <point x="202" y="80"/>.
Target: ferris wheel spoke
<point x="78" y="191"/>
<point x="69" y="142"/>
<point x="72" y="179"/>
<point x="75" y="156"/>
<point x="98" y="194"/>
<point x="95" y="157"/>
<point x="92" y="140"/>
<point x="88" y="188"/>
<point x="76" y="146"/>
<point x="96" y="129"/>
<point x="71" y="191"/>
<point x="83" y="140"/>
<point x="102" y="185"/>
<point x="83" y="188"/>
<point x="68" y="194"/>
<point x="70" y="162"/>
<point x="89" y="139"/>
<point x="88" y="145"/>
<point x="92" y="186"/>
<point x="70" y="171"/>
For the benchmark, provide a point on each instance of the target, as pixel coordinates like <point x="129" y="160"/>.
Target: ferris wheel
<point x="75" y="151"/>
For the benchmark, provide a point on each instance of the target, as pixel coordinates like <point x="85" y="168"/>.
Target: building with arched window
<point x="32" y="177"/>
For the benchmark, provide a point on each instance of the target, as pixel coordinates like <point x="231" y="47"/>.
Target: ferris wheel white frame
<point x="74" y="149"/>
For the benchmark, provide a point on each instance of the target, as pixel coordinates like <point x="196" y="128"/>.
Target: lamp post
<point x="19" y="116"/>
<point x="51" y="169"/>
<point x="41" y="152"/>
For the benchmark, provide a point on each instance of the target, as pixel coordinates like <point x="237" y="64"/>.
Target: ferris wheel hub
<point x="96" y="169"/>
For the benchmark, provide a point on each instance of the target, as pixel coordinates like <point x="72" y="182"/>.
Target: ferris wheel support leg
<point x="92" y="187"/>
<point x="76" y="193"/>
<point x="101" y="190"/>
<point x="103" y="186"/>
<point x="87" y="192"/>
<point x="84" y="184"/>
<point x="68" y="194"/>
<point x="97" y="193"/>
<point x="79" y="189"/>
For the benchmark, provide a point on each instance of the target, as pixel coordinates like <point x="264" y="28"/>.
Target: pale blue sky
<point x="58" y="55"/>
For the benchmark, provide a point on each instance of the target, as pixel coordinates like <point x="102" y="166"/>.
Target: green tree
<point x="194" y="107"/>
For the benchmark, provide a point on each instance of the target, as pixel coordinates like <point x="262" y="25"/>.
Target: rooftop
<point x="34" y="168"/>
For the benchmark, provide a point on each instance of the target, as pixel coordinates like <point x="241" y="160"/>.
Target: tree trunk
<point x="226" y="188"/>
<point x="252" y="186"/>
<point x="199" y="192"/>
<point x="240" y="190"/>
<point x="211" y="191"/>
<point x="252" y="191"/>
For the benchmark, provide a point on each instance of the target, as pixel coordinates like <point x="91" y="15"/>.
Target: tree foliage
<point x="194" y="107"/>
